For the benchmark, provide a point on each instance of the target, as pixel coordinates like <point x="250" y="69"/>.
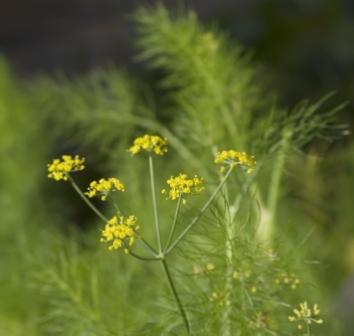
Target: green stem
<point x="200" y="214"/>
<point x="245" y="187"/>
<point x="105" y="219"/>
<point x="154" y="203"/>
<point x="308" y="329"/>
<point x="173" y="228"/>
<point x="229" y="234"/>
<point x="137" y="256"/>
<point x="175" y="294"/>
<point x="86" y="200"/>
<point x="148" y="246"/>
<point x="267" y="228"/>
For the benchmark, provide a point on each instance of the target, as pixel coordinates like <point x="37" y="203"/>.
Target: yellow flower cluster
<point x="149" y="143"/>
<point x="219" y="299"/>
<point x="60" y="168"/>
<point x="182" y="185"/>
<point x="259" y="321"/>
<point x="289" y="279"/>
<point x="119" y="230"/>
<point x="245" y="278"/>
<point x="232" y="157"/>
<point x="241" y="275"/>
<point x="202" y="270"/>
<point x="103" y="187"/>
<point x="304" y="315"/>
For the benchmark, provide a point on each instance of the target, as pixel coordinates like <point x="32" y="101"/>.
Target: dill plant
<point x="231" y="273"/>
<point x="121" y="231"/>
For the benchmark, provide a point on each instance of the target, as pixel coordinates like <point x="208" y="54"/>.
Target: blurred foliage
<point x="311" y="37"/>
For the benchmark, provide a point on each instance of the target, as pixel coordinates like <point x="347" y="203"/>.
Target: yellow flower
<point x="60" y="168"/>
<point x="183" y="185"/>
<point x="201" y="270"/>
<point x="288" y="279"/>
<point x="210" y="267"/>
<point x="103" y="187"/>
<point x="254" y="289"/>
<point x="305" y="315"/>
<point x="149" y="143"/>
<point x="120" y="231"/>
<point x="219" y="298"/>
<point x="232" y="157"/>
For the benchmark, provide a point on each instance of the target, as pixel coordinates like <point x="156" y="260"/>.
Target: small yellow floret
<point x="103" y="187"/>
<point x="232" y="157"/>
<point x="288" y="279"/>
<point x="210" y="267"/>
<point x="305" y="315"/>
<point x="201" y="270"/>
<point x="183" y="185"/>
<point x="120" y="231"/>
<point x="60" y="168"/>
<point x="149" y="143"/>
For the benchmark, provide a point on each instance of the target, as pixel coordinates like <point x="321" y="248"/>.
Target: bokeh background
<point x="305" y="45"/>
<point x="304" y="49"/>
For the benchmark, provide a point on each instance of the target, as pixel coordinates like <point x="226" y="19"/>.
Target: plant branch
<point x="200" y="214"/>
<point x="137" y="256"/>
<point x="266" y="230"/>
<point x="154" y="203"/>
<point x="86" y="200"/>
<point x="105" y="219"/>
<point x="175" y="294"/>
<point x="173" y="228"/>
<point x="148" y="246"/>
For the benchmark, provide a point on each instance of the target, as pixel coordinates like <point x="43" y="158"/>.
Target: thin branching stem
<point x="173" y="227"/>
<point x="175" y="294"/>
<point x="105" y="219"/>
<point x="235" y="206"/>
<point x="148" y="246"/>
<point x="154" y="203"/>
<point x="201" y="212"/>
<point x="137" y="256"/>
<point x="86" y="200"/>
<point x="229" y="236"/>
<point x="308" y="329"/>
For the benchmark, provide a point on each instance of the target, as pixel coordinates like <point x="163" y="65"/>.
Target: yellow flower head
<point x="232" y="157"/>
<point x="60" y="168"/>
<point x="203" y="270"/>
<point x="149" y="143"/>
<point x="103" y="187"/>
<point x="120" y="231"/>
<point x="287" y="279"/>
<point x="183" y="185"/>
<point x="304" y="315"/>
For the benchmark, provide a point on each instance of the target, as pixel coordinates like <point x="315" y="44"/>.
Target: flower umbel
<point x="287" y="279"/>
<point x="183" y="185"/>
<point x="203" y="270"/>
<point x="149" y="143"/>
<point x="103" y="187"/>
<point x="232" y="157"/>
<point x="60" y="168"/>
<point x="120" y="230"/>
<point x="304" y="315"/>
